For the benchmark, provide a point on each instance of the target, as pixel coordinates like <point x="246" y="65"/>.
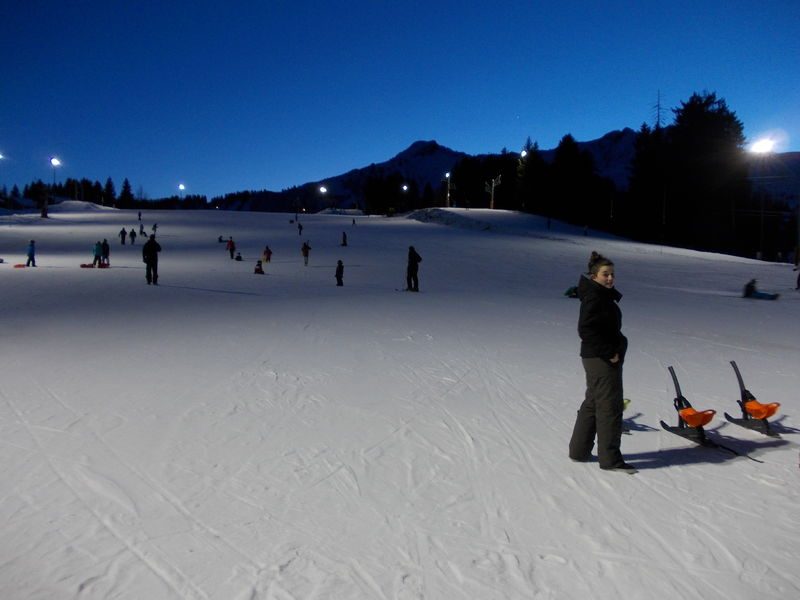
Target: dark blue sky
<point x="228" y="96"/>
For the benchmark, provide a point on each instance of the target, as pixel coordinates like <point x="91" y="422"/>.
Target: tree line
<point x="43" y="194"/>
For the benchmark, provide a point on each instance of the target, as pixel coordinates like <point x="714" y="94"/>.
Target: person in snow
<point x="155" y="227"/>
<point x="97" y="252"/>
<point x="750" y="291"/>
<point x="105" y="252"/>
<point x="31" y="254"/>
<point x="122" y="234"/>
<point x="259" y="270"/>
<point x="141" y="229"/>
<point x="304" y="250"/>
<point x="238" y="257"/>
<point x="231" y="246"/>
<point x="344" y="238"/>
<point x="150" y="252"/>
<point x="412" y="271"/>
<point x="140" y="215"/>
<point x="339" y="273"/>
<point x="603" y="349"/>
<point x="132" y="235"/>
<point x="299" y="228"/>
<point x="266" y="256"/>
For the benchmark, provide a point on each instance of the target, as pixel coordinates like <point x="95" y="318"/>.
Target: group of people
<point x="123" y="234"/>
<point x="412" y="268"/>
<point x="102" y="253"/>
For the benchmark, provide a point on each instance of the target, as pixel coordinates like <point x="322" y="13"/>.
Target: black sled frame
<point x="747" y="421"/>
<point x="693" y="434"/>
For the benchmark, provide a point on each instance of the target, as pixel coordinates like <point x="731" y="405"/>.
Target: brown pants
<point x="600" y="414"/>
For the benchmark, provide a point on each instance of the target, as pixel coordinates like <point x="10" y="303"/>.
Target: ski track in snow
<point x="290" y="440"/>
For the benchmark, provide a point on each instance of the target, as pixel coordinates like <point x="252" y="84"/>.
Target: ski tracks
<point x="156" y="528"/>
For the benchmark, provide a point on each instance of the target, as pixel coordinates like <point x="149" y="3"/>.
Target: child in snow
<point x="603" y="349"/>
<point x="238" y="257"/>
<point x="98" y="254"/>
<point x="266" y="256"/>
<point x="31" y="254"/>
<point x="259" y="270"/>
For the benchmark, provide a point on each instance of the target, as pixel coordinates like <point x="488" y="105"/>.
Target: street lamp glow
<point x="763" y="146"/>
<point x="523" y="154"/>
<point x="55" y="162"/>
<point x="323" y="189"/>
<point x="181" y="187"/>
<point x="405" y="187"/>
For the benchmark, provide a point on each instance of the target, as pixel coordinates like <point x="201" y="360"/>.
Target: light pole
<point x="447" y="201"/>
<point x="490" y="185"/>
<point x="181" y="189"/>
<point x="54" y="162"/>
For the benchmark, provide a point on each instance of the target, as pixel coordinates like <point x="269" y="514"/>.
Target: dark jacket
<point x="150" y="251"/>
<point x="600" y="321"/>
<point x="413" y="259"/>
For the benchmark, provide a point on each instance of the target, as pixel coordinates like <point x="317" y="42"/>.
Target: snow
<point x="227" y="435"/>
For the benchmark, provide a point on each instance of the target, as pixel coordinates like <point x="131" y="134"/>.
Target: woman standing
<point x="603" y="350"/>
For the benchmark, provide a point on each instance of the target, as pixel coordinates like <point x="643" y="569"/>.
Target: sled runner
<point x="690" y="420"/>
<point x="91" y="266"/>
<point x="20" y="266"/>
<point x="754" y="413"/>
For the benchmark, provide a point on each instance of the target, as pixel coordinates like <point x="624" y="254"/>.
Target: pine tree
<point x="125" y="199"/>
<point x="707" y="172"/>
<point x="109" y="193"/>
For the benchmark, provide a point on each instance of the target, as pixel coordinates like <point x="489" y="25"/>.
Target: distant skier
<point x="141" y="229"/>
<point x="231" y="246"/>
<point x="266" y="256"/>
<point x="304" y="250"/>
<point x="31" y="254"/>
<point x="344" y="238"/>
<point x="412" y="270"/>
<point x="339" y="273"/>
<point x="132" y="235"/>
<point x="299" y="228"/>
<point x="155" y="227"/>
<point x="603" y="349"/>
<point x="150" y="252"/>
<point x="105" y="250"/>
<point x="140" y="215"/>
<point x="122" y="234"/>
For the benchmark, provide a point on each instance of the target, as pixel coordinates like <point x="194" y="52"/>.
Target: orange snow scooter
<point x="690" y="421"/>
<point x="754" y="414"/>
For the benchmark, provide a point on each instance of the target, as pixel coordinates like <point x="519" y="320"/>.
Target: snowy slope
<point x="232" y="436"/>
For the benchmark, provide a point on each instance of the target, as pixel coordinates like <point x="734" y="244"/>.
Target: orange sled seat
<point x="694" y="418"/>
<point x="760" y="411"/>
